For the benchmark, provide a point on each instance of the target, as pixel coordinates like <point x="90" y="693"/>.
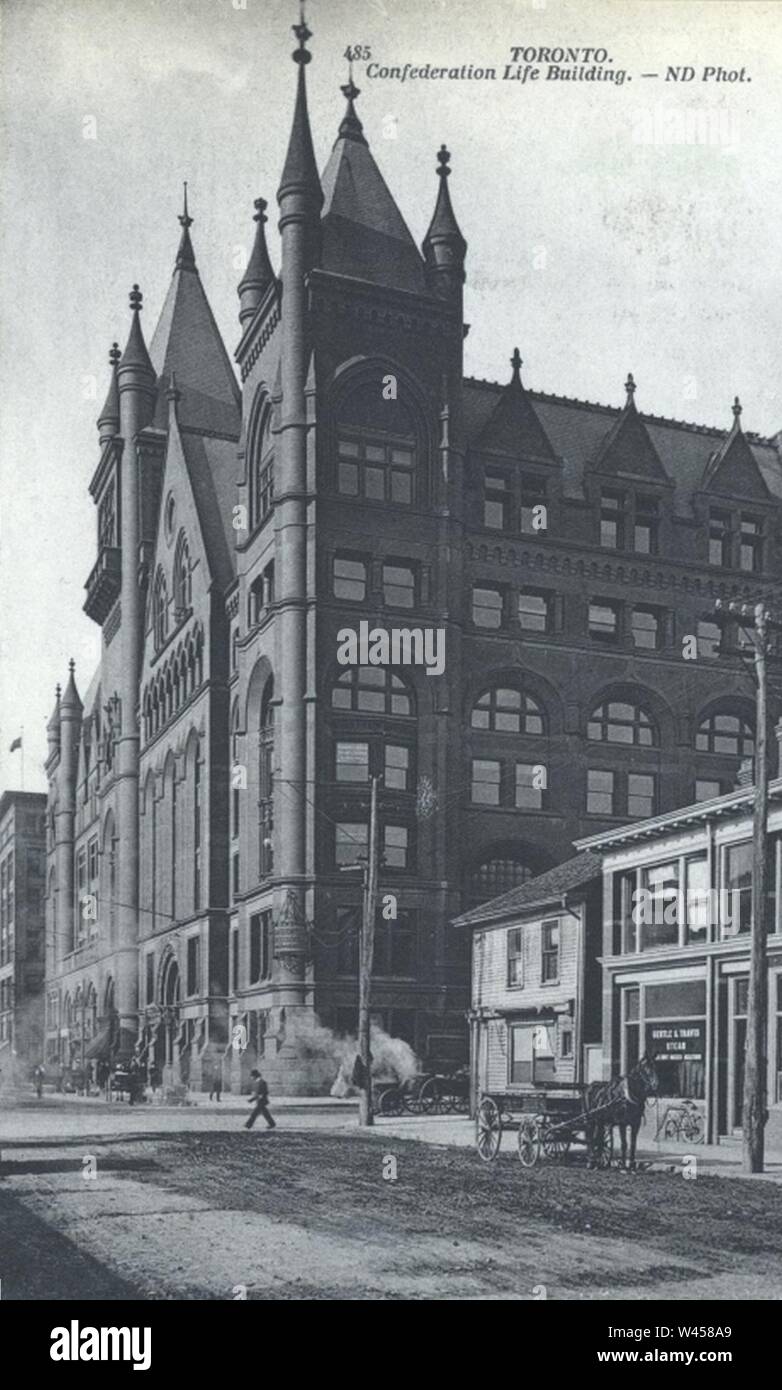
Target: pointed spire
<point x="351" y="127"/>
<point x="108" y="420"/>
<point x="444" y="247"/>
<point x="71" y="699"/>
<point x="185" y="259"/>
<point x="630" y="389"/>
<point x="259" y="273"/>
<point x="135" y="358"/>
<point x="53" y="726"/>
<point x="300" y="172"/>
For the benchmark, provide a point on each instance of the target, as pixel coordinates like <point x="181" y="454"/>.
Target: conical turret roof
<point x="364" y="233"/>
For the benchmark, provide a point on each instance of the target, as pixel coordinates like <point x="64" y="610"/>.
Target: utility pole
<point x="754" y="1111"/>
<point x="366" y="958"/>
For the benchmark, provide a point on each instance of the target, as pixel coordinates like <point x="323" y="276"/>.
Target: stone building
<point x="22" y="858"/>
<point x="213" y="789"/>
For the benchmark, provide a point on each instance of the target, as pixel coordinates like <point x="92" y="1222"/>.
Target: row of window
<point x="549" y="954"/>
<point x="182" y="592"/>
<point x="629" y="520"/>
<point x="609" y="621"/>
<point x="400" y="581"/>
<point x="670" y="904"/>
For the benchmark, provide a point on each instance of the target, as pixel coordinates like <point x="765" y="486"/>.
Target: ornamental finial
<point x="630" y="388"/>
<point x="444" y="160"/>
<point x="184" y="219"/>
<point x="136" y="299"/>
<point x="515" y="362"/>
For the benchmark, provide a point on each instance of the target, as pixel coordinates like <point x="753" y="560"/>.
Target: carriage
<point x="426" y="1093"/>
<point x="546" y="1122"/>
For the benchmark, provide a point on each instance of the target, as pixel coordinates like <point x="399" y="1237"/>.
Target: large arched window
<point x="378" y="452"/>
<point x="263" y="475"/>
<point x="618" y="721"/>
<point x="372" y="690"/>
<point x="182" y="582"/>
<point x="724" y="732"/>
<point x="505" y="868"/>
<point x="506" y="710"/>
<point x="266" y="781"/>
<point x="160" y="609"/>
<point x="197" y="766"/>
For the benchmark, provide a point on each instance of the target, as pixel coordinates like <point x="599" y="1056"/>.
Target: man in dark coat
<point x="259" y="1097"/>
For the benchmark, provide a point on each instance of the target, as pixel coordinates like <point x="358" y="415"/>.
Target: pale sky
<point x="610" y="228"/>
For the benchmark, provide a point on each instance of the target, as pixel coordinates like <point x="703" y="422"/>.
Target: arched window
<point x="504" y="869"/>
<point x="263" y="475"/>
<point x="617" y="721"/>
<point x="371" y="690"/>
<point x="377" y="447"/>
<point x="196" y="825"/>
<point x="182" y="583"/>
<point x="506" y="710"/>
<point x="726" y="733"/>
<point x="265" y="781"/>
<point x="160" y="610"/>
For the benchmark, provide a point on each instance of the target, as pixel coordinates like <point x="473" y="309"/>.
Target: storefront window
<point x="737" y="885"/>
<point x="658" y="909"/>
<point x="697" y="914"/>
<point x="675" y="1031"/>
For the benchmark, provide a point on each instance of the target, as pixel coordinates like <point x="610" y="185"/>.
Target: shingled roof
<point x="364" y="233"/>
<point x="577" y="431"/>
<point x="550" y="887"/>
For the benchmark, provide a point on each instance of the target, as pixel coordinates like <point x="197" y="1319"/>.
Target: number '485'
<point x="358" y="52"/>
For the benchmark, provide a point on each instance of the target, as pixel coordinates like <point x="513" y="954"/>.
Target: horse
<point x="621" y="1102"/>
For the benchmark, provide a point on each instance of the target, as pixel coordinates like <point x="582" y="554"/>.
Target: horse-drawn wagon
<point x="549" y="1120"/>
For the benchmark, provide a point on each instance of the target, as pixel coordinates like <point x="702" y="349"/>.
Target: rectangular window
<point x="600" y="792"/>
<point x="350" y="845"/>
<point x="193" y="983"/>
<point x="395" y="846"/>
<point x="150" y="978"/>
<point x="235" y="881"/>
<point x="658" y="910"/>
<point x="709" y="639"/>
<point x="533" y="516"/>
<point x="719" y="539"/>
<point x="350" y="579"/>
<point x="697" y="915"/>
<point x="641" y="795"/>
<point x="531" y="781"/>
<point x="515" y="957"/>
<point x="604" y="621"/>
<point x="534" y="611"/>
<point x="495" y="502"/>
<point x="612" y="527"/>
<point x="265" y="488"/>
<point x="751" y="545"/>
<point x="565" y="1041"/>
<point x="549" y="971"/>
<point x="260" y="947"/>
<point x="106" y="522"/>
<point x="397" y="767"/>
<point x="399" y="586"/>
<point x="737" y="885"/>
<point x="487" y="607"/>
<point x="645" y="529"/>
<point x="352" y="762"/>
<point x="706" y="789"/>
<point x="645" y="628"/>
<point x="394" y="954"/>
<point x="485" y="782"/>
<point x="234" y="960"/>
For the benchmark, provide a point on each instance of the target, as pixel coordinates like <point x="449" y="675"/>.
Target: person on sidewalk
<point x="217" y="1083"/>
<point x="259" y="1098"/>
<point x="38" y="1079"/>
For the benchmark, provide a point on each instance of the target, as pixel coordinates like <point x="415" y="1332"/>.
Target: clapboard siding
<point x="490" y="966"/>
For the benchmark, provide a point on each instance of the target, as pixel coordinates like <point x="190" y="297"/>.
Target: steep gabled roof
<point x="542" y="891"/>
<point x="187" y="343"/>
<point x="513" y="426"/>
<point x="364" y="233"/>
<point x="733" y="468"/>
<point x="627" y="448"/>
<point x="211" y="467"/>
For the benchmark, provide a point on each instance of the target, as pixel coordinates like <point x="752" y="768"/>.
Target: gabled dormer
<point x="627" y="450"/>
<point x="627" y="486"/>
<point x="734" y="505"/>
<point x="733" y="469"/>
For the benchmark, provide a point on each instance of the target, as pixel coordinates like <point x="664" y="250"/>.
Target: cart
<point x="546" y="1121"/>
<point x="446" y="1093"/>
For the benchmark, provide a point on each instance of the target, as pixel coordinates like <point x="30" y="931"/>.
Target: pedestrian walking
<point x="217" y="1083"/>
<point x="134" y="1081"/>
<point x="38" y="1079"/>
<point x="259" y="1098"/>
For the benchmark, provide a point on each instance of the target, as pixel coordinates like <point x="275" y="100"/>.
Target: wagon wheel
<point x="488" y="1129"/>
<point x="554" y="1145"/>
<point x="447" y="1102"/>
<point x="671" y="1130"/>
<point x="694" y="1129"/>
<point x="429" y="1096"/>
<point x="605" y="1147"/>
<point x="391" y="1101"/>
<point x="409" y="1098"/>
<point x="461" y="1103"/>
<point x="528" y="1140"/>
